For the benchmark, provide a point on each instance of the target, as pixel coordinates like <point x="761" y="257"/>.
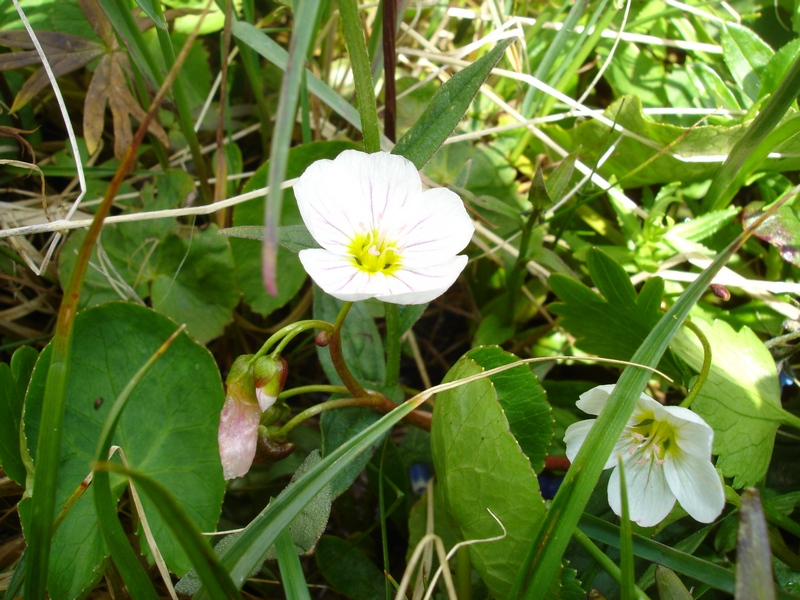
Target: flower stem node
<point x="269" y="377"/>
<point x="666" y="455"/>
<point x="322" y="339"/>
<point x="381" y="235"/>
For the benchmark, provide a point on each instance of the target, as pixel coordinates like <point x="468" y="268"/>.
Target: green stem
<point x="704" y="370"/>
<point x="606" y="563"/>
<point x="337" y="356"/>
<point x="362" y="77"/>
<point x="312" y="411"/>
<point x="289" y="331"/>
<point x="463" y="574"/>
<point x="392" y="344"/>
<point x="312" y="389"/>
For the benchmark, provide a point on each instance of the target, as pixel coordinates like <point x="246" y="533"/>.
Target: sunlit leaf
<point x="741" y="400"/>
<point x="481" y="468"/>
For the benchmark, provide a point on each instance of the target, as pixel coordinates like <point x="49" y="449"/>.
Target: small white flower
<point x="381" y="236"/>
<point x="666" y="456"/>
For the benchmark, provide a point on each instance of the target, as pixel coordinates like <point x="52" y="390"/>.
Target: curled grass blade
<point x="544" y="555"/>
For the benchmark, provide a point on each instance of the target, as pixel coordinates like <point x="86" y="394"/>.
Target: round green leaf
<point x="168" y="431"/>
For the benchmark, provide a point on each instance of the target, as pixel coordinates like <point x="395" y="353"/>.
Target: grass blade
<point x="753" y="554"/>
<point x="294" y="581"/>
<point x="305" y="20"/>
<point x="722" y="188"/>
<point x="362" y="77"/>
<point x="447" y="107"/>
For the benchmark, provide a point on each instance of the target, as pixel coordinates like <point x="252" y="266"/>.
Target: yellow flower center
<point x="651" y="439"/>
<point x="373" y="253"/>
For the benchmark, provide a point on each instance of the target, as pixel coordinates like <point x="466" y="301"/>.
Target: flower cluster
<point x="666" y="454"/>
<point x="381" y="235"/>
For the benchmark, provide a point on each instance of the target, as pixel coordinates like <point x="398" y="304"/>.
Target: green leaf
<point x="613" y="326"/>
<point x="169" y="431"/>
<point x="480" y="468"/>
<point x="10" y="417"/>
<point x="447" y="108"/>
<point x="22" y="364"/>
<point x="741" y="399"/>
<point x="337" y="427"/>
<point x="746" y="56"/>
<point x="670" y="587"/>
<point x="594" y="139"/>
<point x="778" y="66"/>
<point x="247" y="254"/>
<point x="348" y="569"/>
<point x="713" y="91"/>
<point x="523" y="400"/>
<point x="187" y="272"/>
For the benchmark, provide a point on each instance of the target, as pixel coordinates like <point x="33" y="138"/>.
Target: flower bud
<point x="269" y="376"/>
<point x="323" y="338"/>
<point x="239" y="420"/>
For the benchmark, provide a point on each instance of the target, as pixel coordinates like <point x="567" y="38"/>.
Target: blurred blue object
<point x="549" y="484"/>
<point x="419" y="474"/>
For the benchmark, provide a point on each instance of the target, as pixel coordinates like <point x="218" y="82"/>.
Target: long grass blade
<point x="722" y="188"/>
<point x="305" y="20"/>
<point x="294" y="581"/>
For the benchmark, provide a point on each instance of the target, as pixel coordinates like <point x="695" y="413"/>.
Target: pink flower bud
<point x="238" y="423"/>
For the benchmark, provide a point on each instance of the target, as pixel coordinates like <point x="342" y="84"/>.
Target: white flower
<point x="381" y="236"/>
<point x="666" y="456"/>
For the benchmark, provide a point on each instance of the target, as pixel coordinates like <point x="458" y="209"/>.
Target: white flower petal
<point x="692" y="434"/>
<point x="433" y="212"/>
<point x="338" y="277"/>
<point x="422" y="284"/>
<point x="593" y="401"/>
<point x="264" y="399"/>
<point x="575" y="435"/>
<point x="696" y="484"/>
<point x="349" y="194"/>
<point x="649" y="497"/>
<point x="237" y="436"/>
